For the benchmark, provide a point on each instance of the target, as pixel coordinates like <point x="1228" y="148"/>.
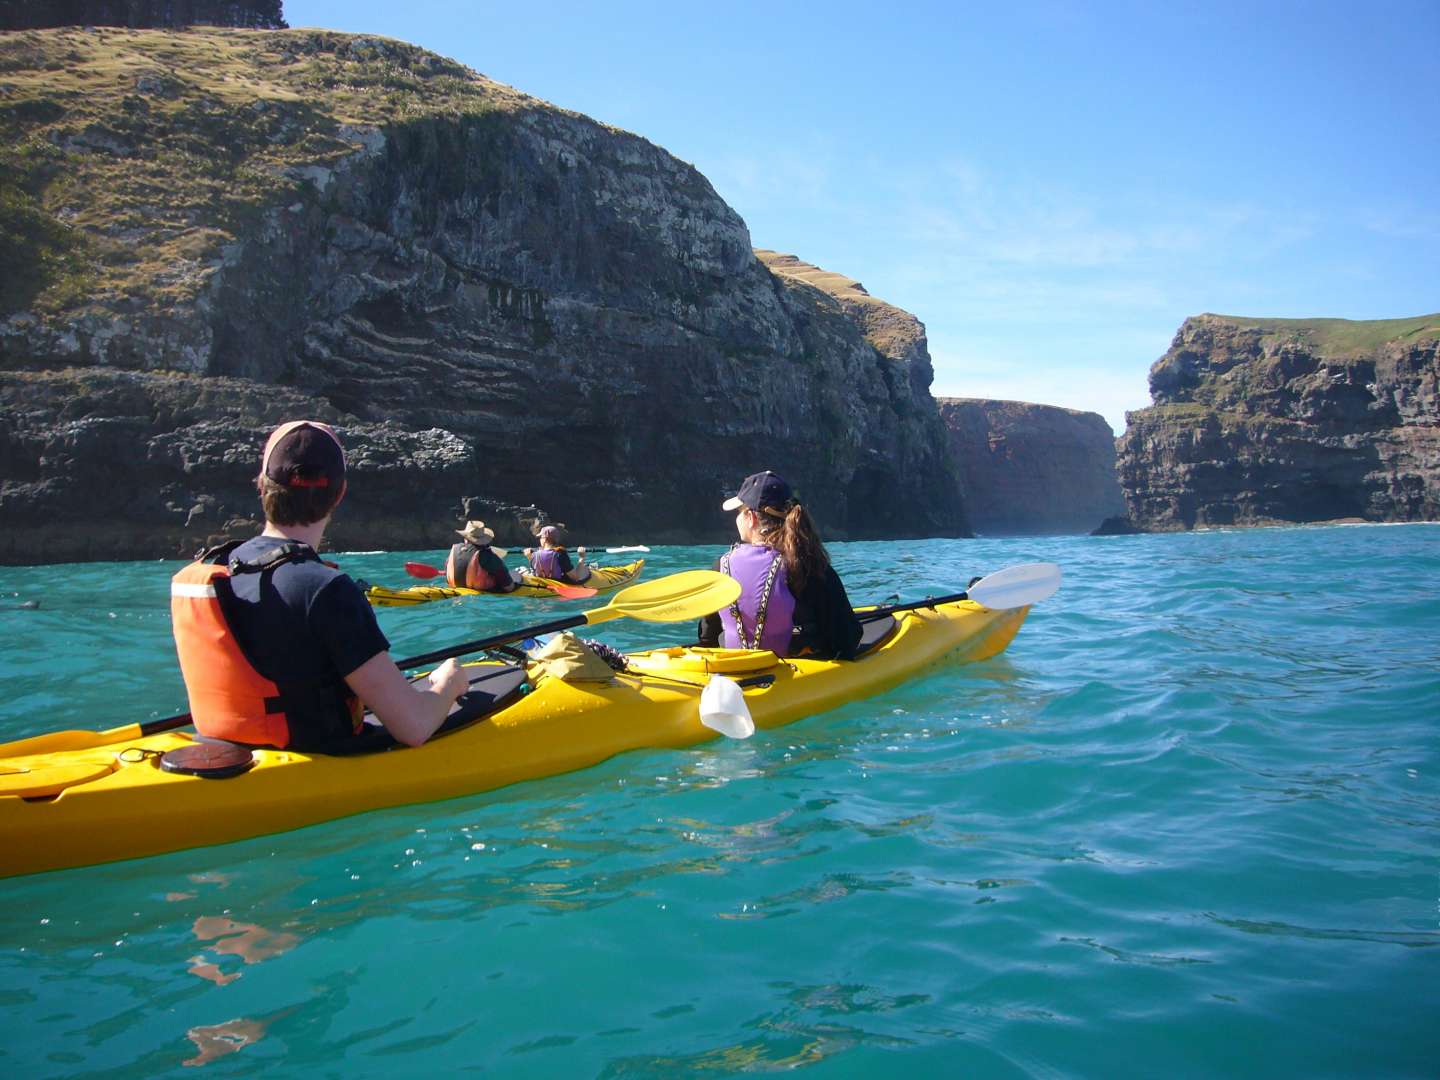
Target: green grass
<point x="1178" y="409"/>
<point x="129" y="155"/>
<point x="1341" y="337"/>
<point x="37" y="253"/>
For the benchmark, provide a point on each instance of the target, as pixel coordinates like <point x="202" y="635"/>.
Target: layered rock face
<point x="500" y="305"/>
<point x="1028" y="469"/>
<point x="1260" y="421"/>
<point x="898" y="339"/>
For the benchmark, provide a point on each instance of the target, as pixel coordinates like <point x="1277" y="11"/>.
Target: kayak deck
<point x="111" y="802"/>
<point x="602" y="579"/>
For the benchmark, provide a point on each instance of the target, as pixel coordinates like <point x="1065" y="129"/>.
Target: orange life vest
<point x="229" y="697"/>
<point x="463" y="569"/>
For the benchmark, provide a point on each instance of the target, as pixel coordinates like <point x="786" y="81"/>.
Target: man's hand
<point x="449" y="680"/>
<point x="411" y="711"/>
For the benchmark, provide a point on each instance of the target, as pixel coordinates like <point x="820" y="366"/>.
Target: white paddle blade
<point x="723" y="708"/>
<point x="1016" y="586"/>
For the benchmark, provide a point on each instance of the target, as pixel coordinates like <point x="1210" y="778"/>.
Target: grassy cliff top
<point x="827" y="281"/>
<point x="1339" y="337"/>
<point x="128" y="158"/>
<point x="1020" y="408"/>
<point x="891" y="330"/>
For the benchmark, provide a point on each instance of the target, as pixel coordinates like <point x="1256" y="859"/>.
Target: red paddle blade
<point x="422" y="570"/>
<point x="571" y="592"/>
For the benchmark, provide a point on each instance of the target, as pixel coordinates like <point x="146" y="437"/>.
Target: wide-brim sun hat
<point x="477" y="533"/>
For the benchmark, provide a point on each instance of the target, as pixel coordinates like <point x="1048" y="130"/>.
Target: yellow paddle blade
<point x="689" y="594"/>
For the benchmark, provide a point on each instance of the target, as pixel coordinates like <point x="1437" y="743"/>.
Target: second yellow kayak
<point x="602" y="579"/>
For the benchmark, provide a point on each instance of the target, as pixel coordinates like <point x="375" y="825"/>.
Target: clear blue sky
<point x="1051" y="186"/>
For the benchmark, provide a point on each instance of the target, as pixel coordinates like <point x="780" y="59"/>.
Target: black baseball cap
<point x="304" y="454"/>
<point x="761" y="489"/>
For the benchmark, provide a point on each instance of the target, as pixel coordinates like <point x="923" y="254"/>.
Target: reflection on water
<point x="249" y="942"/>
<point x="218" y="1040"/>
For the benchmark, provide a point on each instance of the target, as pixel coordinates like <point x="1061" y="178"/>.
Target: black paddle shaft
<point x="928" y="602"/>
<point x="491" y="642"/>
<point x="170" y="723"/>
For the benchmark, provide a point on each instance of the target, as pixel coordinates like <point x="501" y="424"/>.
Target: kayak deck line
<point x="113" y="802"/>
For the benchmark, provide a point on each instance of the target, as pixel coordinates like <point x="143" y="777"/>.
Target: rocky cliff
<point x="1032" y="469"/>
<point x="1259" y="421"/>
<point x="136" y="14"/>
<point x="500" y="303"/>
<point x="898" y="339"/>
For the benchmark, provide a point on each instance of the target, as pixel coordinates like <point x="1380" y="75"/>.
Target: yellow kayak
<point x="602" y="579"/>
<point x="114" y="801"/>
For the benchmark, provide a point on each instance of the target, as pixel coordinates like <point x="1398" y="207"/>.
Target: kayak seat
<point x="873" y="632"/>
<point x="492" y="688"/>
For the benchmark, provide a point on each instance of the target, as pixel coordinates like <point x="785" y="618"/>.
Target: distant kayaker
<point x="792" y="601"/>
<point x="278" y="648"/>
<point x="475" y="564"/>
<point x="551" y="560"/>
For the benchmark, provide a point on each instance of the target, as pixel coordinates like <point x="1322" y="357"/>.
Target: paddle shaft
<point x="497" y="639"/>
<point x="170" y="723"/>
<point x="1013" y="587"/>
<point x="915" y="605"/>
<point x="685" y="595"/>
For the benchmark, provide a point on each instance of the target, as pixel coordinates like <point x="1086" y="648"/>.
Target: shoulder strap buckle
<point x="279" y="555"/>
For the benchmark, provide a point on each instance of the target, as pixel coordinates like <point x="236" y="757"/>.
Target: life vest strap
<point x="279" y="555"/>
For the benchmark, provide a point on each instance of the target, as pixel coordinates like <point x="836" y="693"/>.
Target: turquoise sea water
<point x="1188" y="825"/>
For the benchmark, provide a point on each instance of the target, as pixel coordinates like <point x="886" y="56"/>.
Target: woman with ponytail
<point x="791" y="600"/>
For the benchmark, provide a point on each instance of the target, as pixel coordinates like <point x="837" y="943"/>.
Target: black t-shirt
<point x="493" y="565"/>
<point x="303" y="621"/>
<point x="825" y="623"/>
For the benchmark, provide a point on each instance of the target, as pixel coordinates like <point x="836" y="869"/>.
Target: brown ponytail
<point x="795" y="536"/>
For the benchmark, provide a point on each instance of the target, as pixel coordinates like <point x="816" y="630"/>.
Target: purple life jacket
<point x="545" y="562"/>
<point x="764" y="615"/>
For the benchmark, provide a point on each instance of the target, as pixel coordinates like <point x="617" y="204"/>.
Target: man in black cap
<point x="278" y="648"/>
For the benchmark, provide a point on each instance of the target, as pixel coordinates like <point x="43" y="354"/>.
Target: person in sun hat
<point x="278" y="648"/>
<point x="792" y="601"/>
<point x="551" y="559"/>
<point x="475" y="563"/>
